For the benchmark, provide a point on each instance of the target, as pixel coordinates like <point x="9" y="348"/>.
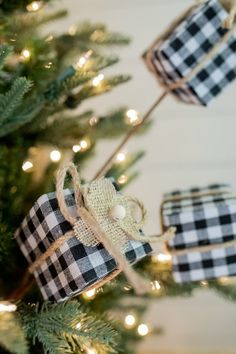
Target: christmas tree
<point x="43" y="81"/>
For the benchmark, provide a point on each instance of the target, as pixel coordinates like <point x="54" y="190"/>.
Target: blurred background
<point x="186" y="146"/>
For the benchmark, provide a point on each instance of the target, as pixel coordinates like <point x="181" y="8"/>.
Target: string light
<point x="83" y="59"/>
<point x="78" y="326"/>
<point x="132" y="117"/>
<point x="161" y="257"/>
<point x="120" y="157"/>
<point x="97" y="80"/>
<point x="27" y="166"/>
<point x="90" y="294"/>
<point x="155" y="285"/>
<point x="76" y="148"/>
<point x="7" y="307"/>
<point x="72" y="30"/>
<point x="25" y="53"/>
<point x="93" y="121"/>
<point x="130" y="321"/>
<point x="122" y="179"/>
<point x="204" y="283"/>
<point x="55" y="155"/>
<point x="91" y="351"/>
<point x="85" y="144"/>
<point x="34" y="6"/>
<point x="143" y="329"/>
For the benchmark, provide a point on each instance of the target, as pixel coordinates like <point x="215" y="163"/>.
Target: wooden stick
<point x="130" y="133"/>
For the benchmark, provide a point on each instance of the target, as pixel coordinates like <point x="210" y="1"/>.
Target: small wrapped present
<point x="77" y="239"/>
<point x="205" y="243"/>
<point x="195" y="58"/>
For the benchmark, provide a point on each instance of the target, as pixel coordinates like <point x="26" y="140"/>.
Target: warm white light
<point x="204" y="283"/>
<point x="27" y="166"/>
<point x="80" y="63"/>
<point x="72" y="30"/>
<point x="122" y="179"/>
<point x="162" y="257"/>
<point x="130" y="320"/>
<point x="91" y="351"/>
<point x="7" y="307"/>
<point x="97" y="80"/>
<point x="34" y="6"/>
<point x="120" y="157"/>
<point x="76" y="148"/>
<point x="156" y="285"/>
<point x="85" y="144"/>
<point x="143" y="329"/>
<point x="132" y="117"/>
<point x="25" y="53"/>
<point x="93" y="121"/>
<point x="78" y="326"/>
<point x="55" y="155"/>
<point x="90" y="294"/>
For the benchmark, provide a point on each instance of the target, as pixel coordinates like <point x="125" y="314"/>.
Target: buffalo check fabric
<point x="202" y="216"/>
<point x="73" y="267"/>
<point x="182" y="50"/>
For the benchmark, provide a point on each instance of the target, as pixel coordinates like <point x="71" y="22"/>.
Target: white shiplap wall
<point x="186" y="146"/>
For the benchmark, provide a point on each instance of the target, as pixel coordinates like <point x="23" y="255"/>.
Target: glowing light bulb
<point x="97" y="80"/>
<point x="91" y="351"/>
<point x="93" y="121"/>
<point x="204" y="283"/>
<point x="78" y="326"/>
<point x="155" y="285"/>
<point x="143" y="329"/>
<point x="85" y="144"/>
<point x="25" y="53"/>
<point x="55" y="155"/>
<point x="27" y="166"/>
<point x="120" y="157"/>
<point x="132" y="117"/>
<point x="90" y="294"/>
<point x="122" y="179"/>
<point x="72" y="30"/>
<point x="7" y="307"/>
<point x="76" y="148"/>
<point x="81" y="62"/>
<point x="161" y="257"/>
<point x="34" y="6"/>
<point x="130" y="321"/>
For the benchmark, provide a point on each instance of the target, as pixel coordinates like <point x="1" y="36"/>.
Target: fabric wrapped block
<point x="173" y="56"/>
<point x="74" y="267"/>
<point x="204" y="246"/>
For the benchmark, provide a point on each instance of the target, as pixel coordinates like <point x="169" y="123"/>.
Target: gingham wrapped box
<point x="202" y="216"/>
<point x="173" y="56"/>
<point x="73" y="268"/>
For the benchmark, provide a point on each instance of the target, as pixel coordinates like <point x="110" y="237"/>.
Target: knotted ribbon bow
<point x="98" y="220"/>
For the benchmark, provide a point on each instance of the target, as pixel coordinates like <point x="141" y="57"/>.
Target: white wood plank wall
<point x="186" y="146"/>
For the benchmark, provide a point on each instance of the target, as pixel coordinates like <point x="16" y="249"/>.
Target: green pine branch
<point x="5" y="51"/>
<point x="55" y="326"/>
<point x="12" y="100"/>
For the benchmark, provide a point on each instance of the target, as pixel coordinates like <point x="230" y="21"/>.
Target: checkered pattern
<point x="201" y="221"/>
<point x="73" y="267"/>
<point x="186" y="46"/>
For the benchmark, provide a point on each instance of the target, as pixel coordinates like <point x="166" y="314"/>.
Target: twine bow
<point x="94" y="224"/>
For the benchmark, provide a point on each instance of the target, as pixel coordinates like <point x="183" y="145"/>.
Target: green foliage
<point x="5" y="51"/>
<point x="11" y="334"/>
<point x="10" y="101"/>
<point x="55" y="327"/>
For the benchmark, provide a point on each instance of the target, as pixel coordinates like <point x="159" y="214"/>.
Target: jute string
<point x="140" y="285"/>
<point x="168" y="88"/>
<point x="200" y="249"/>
